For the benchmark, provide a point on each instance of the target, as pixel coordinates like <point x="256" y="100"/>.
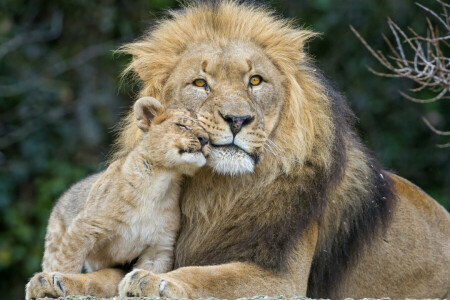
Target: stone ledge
<point x="253" y="298"/>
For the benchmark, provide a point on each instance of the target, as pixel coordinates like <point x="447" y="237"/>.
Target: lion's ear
<point x="145" y="110"/>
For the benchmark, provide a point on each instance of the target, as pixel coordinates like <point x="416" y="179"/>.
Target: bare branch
<point x="434" y="128"/>
<point x="428" y="66"/>
<point x="443" y="145"/>
<point x="394" y="30"/>
<point x="445" y="23"/>
<point x="434" y="99"/>
<point x="438" y="132"/>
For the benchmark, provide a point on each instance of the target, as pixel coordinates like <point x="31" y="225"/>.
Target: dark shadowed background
<point x="61" y="95"/>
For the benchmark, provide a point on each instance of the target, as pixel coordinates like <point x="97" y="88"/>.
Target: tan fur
<point x="412" y="258"/>
<point x="249" y="227"/>
<point x="132" y="210"/>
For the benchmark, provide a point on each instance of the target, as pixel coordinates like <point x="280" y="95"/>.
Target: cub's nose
<point x="237" y="122"/>
<point x="203" y="140"/>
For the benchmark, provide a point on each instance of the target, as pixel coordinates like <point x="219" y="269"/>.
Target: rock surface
<point x="253" y="298"/>
<point x="154" y="298"/>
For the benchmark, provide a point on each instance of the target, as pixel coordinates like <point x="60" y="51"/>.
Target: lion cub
<point x="132" y="209"/>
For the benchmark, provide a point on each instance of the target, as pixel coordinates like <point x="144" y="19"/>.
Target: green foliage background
<point x="61" y="95"/>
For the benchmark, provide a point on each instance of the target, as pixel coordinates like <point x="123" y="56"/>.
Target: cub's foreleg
<point x="79" y="239"/>
<point x="53" y="241"/>
<point x="157" y="258"/>
<point x="102" y="283"/>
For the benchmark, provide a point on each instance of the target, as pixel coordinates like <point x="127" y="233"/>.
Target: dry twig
<point x="428" y="67"/>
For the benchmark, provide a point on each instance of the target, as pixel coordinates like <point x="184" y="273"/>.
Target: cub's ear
<point x="145" y="110"/>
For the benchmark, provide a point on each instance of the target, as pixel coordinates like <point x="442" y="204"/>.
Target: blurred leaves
<point x="60" y="97"/>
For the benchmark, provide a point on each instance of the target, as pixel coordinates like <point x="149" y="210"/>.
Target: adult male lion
<point x="291" y="203"/>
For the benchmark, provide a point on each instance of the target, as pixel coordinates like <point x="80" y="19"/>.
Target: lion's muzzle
<point x="237" y="122"/>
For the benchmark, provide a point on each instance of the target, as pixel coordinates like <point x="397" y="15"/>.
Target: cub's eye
<point x="181" y="126"/>
<point x="199" y="82"/>
<point x="255" y="80"/>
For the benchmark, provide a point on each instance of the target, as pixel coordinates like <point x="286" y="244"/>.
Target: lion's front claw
<point x="45" y="285"/>
<point x="170" y="289"/>
<point x="143" y="283"/>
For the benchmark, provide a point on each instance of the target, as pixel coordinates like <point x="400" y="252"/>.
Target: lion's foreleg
<point x="230" y="281"/>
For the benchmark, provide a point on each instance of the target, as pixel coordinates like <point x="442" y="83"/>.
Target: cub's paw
<point x="143" y="283"/>
<point x="43" y="284"/>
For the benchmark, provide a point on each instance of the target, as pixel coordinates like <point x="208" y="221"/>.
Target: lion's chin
<point x="230" y="161"/>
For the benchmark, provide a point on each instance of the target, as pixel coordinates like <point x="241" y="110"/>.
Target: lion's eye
<point x="255" y="80"/>
<point x="181" y="126"/>
<point x="199" y="82"/>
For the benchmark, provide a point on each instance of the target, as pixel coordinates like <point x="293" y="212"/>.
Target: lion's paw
<point x="142" y="283"/>
<point x="43" y="284"/>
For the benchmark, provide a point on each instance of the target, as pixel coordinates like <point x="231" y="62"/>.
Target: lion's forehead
<point x="223" y="60"/>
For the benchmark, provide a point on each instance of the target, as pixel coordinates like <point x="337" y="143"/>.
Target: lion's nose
<point x="203" y="140"/>
<point x="237" y="122"/>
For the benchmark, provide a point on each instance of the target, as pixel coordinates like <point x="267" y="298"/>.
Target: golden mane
<point x="155" y="55"/>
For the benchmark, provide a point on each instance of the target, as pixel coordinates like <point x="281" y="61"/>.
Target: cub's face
<point x="173" y="138"/>
<point x="238" y="95"/>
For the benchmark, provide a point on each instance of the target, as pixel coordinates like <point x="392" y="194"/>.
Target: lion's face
<point x="238" y="95"/>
